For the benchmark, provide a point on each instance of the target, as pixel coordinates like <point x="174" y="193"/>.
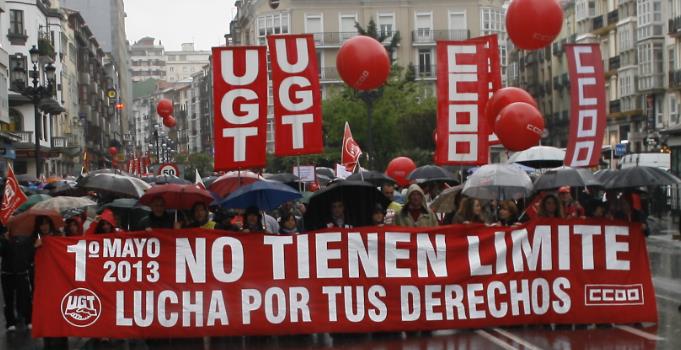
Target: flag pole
<point x="300" y="182"/>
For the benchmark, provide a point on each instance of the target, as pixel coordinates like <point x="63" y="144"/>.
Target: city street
<point x="665" y="258"/>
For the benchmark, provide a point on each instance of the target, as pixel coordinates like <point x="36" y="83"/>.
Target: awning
<point x="674" y="130"/>
<point x="51" y="106"/>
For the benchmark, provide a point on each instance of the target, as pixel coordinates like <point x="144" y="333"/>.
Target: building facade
<point x="420" y="24"/>
<point x="180" y="65"/>
<point x="147" y="60"/>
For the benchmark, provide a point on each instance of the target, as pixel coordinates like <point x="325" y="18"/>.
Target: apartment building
<point x="639" y="41"/>
<point x="180" y="65"/>
<point x="420" y="24"/>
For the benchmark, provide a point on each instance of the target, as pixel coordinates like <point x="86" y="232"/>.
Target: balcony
<point x="613" y="17"/>
<point x="565" y="80"/>
<point x="425" y="72"/>
<point x="329" y="74"/>
<point x="429" y="37"/>
<point x="675" y="80"/>
<point x="597" y="23"/>
<point x="556" y="83"/>
<point x="332" y="39"/>
<point x="59" y="142"/>
<point x="614" y="63"/>
<point x="557" y="49"/>
<point x="615" y="106"/>
<point x="25" y="136"/>
<point x="675" y="27"/>
<point x="17" y="37"/>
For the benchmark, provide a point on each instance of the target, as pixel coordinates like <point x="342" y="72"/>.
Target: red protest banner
<point x="297" y="96"/>
<point x="588" y="118"/>
<point x="462" y="136"/>
<point x="240" y="96"/>
<point x="190" y="283"/>
<point x="12" y="197"/>
<point x="351" y="151"/>
<point x="493" y="74"/>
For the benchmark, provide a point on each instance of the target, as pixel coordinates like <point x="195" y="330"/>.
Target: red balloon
<point x="113" y="151"/>
<point x="504" y="97"/>
<point x="164" y="107"/>
<point x="519" y="126"/>
<point x="533" y="24"/>
<point x="363" y="63"/>
<point x="399" y="168"/>
<point x="169" y="121"/>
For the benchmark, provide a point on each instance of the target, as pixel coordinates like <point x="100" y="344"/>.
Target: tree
<point x="372" y="31"/>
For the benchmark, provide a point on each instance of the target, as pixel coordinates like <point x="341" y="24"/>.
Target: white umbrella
<point x="539" y="157"/>
<point x="498" y="181"/>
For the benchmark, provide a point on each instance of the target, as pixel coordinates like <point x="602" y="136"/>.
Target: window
<point x="424" y="27"/>
<point x="16" y="22"/>
<point x="276" y="23"/>
<point x="313" y="24"/>
<point x="649" y="18"/>
<point x="458" y="27"/>
<point x="347" y="26"/>
<point x="674" y="109"/>
<point x="492" y="21"/>
<point x="386" y="24"/>
<point x="651" y="65"/>
<point x="425" y="67"/>
<point x="17" y="60"/>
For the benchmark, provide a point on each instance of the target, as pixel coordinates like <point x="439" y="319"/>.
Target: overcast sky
<point x="204" y="22"/>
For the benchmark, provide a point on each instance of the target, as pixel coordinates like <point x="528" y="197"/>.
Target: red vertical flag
<point x="587" y="120"/>
<point x="12" y="197"/>
<point x="297" y="96"/>
<point x="351" y="151"/>
<point x="493" y="74"/>
<point x="462" y="136"/>
<point x="240" y="100"/>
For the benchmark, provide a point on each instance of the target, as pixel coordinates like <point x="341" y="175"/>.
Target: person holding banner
<point x="378" y="216"/>
<point x="470" y="212"/>
<point x="158" y="218"/>
<point x="253" y="221"/>
<point x="199" y="217"/>
<point x="288" y="224"/>
<point x="550" y="207"/>
<point x="415" y="213"/>
<point x="104" y="223"/>
<point x="338" y="219"/>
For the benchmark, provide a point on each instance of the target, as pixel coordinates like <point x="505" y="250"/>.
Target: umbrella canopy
<point x="128" y="210"/>
<point x="640" y="176"/>
<point x="24" y="223"/>
<point x="566" y="176"/>
<point x="63" y="203"/>
<point x="26" y="178"/>
<point x="120" y="185"/>
<point x="169" y="179"/>
<point x="283" y="178"/>
<point x="431" y="173"/>
<point x="208" y="180"/>
<point x="371" y="176"/>
<point x="359" y="199"/>
<point x="604" y="174"/>
<point x="328" y="172"/>
<point x="33" y="200"/>
<point x="445" y="201"/>
<point x="539" y="157"/>
<point x="498" y="181"/>
<point x="229" y="182"/>
<point x="52" y="179"/>
<point x="63" y="187"/>
<point x="177" y="196"/>
<point x="266" y="195"/>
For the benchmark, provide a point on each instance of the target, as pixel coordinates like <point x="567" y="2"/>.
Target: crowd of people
<point x="407" y="207"/>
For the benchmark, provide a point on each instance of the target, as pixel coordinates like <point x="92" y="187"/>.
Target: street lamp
<point x="36" y="93"/>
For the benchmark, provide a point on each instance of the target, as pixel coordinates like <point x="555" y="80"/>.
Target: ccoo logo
<point x="81" y="307"/>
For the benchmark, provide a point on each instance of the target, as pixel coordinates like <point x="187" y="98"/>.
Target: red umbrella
<point x="24" y="223"/>
<point x="229" y="182"/>
<point x="177" y="196"/>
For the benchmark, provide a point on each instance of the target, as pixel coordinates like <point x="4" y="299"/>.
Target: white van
<point x="658" y="160"/>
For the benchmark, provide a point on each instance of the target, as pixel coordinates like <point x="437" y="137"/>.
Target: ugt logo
<point x="81" y="307"/>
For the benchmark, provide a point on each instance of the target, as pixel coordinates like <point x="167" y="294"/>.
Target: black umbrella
<point x="359" y="199"/>
<point x="374" y="177"/>
<point x="114" y="184"/>
<point x="128" y="211"/>
<point x="604" y="174"/>
<point x="328" y="172"/>
<point x="283" y="177"/>
<point x="431" y="173"/>
<point x="640" y="176"/>
<point x="566" y="176"/>
<point x="63" y="188"/>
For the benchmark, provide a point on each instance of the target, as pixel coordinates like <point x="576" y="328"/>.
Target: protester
<point x="394" y="207"/>
<point x="598" y="209"/>
<point x="507" y="213"/>
<point x="158" y="217"/>
<point x="199" y="217"/>
<point x="288" y="224"/>
<point x="415" y="212"/>
<point x="337" y="215"/>
<point x="73" y="226"/>
<point x="378" y="216"/>
<point x="17" y="256"/>
<point x="224" y="220"/>
<point x="252" y="221"/>
<point x="550" y="207"/>
<point x="470" y="212"/>
<point x="104" y="223"/>
<point x="571" y="208"/>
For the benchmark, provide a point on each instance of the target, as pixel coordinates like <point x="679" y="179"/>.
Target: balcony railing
<point x="427" y="36"/>
<point x="675" y="26"/>
<point x="614" y="62"/>
<point x="557" y="49"/>
<point x="332" y="38"/>
<point x="425" y="72"/>
<point x="615" y="106"/>
<point x="329" y="74"/>
<point x="26" y="136"/>
<point x="59" y="142"/>
<point x="675" y="79"/>
<point x="597" y="22"/>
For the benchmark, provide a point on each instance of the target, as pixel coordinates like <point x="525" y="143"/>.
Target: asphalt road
<point x="665" y="259"/>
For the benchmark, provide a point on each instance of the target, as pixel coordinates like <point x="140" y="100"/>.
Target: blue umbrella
<point x="266" y="195"/>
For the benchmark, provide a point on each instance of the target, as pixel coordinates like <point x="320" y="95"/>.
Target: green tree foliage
<point x="201" y="161"/>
